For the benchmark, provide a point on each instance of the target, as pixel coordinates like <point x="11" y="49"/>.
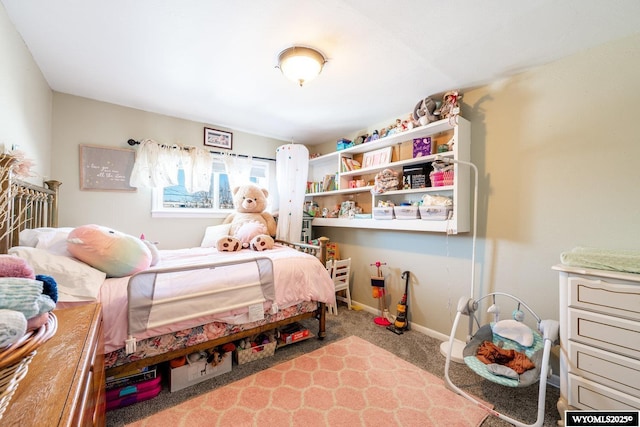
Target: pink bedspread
<point x="298" y="277"/>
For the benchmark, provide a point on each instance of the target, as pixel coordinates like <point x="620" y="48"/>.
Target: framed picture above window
<point x="218" y="138"/>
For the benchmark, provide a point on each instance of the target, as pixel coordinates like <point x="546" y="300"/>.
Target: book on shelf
<point x="329" y="183"/>
<point x="345" y="164"/>
<point x="349" y="164"/>
<point x="313" y="187"/>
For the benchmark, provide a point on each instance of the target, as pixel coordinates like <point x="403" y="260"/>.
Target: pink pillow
<point x="116" y="254"/>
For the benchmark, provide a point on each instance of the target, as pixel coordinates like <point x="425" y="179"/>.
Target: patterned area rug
<point x="347" y="383"/>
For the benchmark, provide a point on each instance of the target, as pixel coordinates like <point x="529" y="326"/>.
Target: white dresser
<point x="599" y="340"/>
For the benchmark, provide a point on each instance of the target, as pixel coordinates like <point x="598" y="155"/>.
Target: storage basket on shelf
<point x="15" y="359"/>
<point x="447" y="178"/>
<point x="441" y="178"/>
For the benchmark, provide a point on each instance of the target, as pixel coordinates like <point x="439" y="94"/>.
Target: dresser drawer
<point x="604" y="367"/>
<point x="585" y="394"/>
<point x="613" y="334"/>
<point x="618" y="299"/>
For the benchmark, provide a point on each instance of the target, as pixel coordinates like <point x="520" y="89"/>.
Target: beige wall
<point x="25" y="102"/>
<point x="79" y="120"/>
<point x="558" y="151"/>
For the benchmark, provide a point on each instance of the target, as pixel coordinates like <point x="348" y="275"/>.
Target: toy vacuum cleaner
<point x="378" y="291"/>
<point x="401" y="323"/>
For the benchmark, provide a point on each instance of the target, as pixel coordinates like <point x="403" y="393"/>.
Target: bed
<point x="286" y="284"/>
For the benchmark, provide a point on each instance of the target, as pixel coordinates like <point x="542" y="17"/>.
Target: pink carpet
<point x="347" y="383"/>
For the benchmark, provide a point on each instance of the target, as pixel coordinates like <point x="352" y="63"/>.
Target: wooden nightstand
<point x="65" y="385"/>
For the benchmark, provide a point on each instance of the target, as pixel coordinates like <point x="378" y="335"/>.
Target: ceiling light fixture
<point x="300" y="64"/>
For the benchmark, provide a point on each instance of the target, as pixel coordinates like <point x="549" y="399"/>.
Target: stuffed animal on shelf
<point x="385" y="180"/>
<point x="425" y="112"/>
<point x="449" y="106"/>
<point x="251" y="227"/>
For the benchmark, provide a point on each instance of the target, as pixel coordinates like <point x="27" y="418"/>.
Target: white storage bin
<point x="196" y="372"/>
<point x="383" y="213"/>
<point x="435" y="213"/>
<point x="406" y="212"/>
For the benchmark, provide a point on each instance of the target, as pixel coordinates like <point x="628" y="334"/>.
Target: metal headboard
<point x="24" y="205"/>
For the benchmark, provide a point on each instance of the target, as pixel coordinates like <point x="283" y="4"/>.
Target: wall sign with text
<point x="106" y="168"/>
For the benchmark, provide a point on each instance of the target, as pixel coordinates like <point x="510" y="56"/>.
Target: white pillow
<point x="29" y="236"/>
<point x="155" y="253"/>
<point x="514" y="330"/>
<point x="214" y="233"/>
<point x="76" y="280"/>
<point x="47" y="238"/>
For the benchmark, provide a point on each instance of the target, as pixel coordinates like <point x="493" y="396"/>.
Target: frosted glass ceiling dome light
<point x="300" y="64"/>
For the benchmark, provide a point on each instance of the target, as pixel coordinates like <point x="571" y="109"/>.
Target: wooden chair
<point x="340" y="271"/>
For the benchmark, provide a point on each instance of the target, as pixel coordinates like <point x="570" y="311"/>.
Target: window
<point x="175" y="201"/>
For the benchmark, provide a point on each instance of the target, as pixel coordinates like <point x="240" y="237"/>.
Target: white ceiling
<point x="213" y="61"/>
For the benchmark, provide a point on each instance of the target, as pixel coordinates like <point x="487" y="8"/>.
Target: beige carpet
<point x="350" y="382"/>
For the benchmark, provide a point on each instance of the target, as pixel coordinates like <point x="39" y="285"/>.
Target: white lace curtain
<point x="157" y="166"/>
<point x="238" y="169"/>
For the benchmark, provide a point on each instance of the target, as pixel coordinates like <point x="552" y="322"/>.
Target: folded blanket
<point x="490" y="353"/>
<point x="45" y="304"/>
<point x="37" y="321"/>
<point x="13" y="266"/>
<point x="25" y="296"/>
<point x="49" y="286"/>
<point x="627" y="261"/>
<point x="13" y="326"/>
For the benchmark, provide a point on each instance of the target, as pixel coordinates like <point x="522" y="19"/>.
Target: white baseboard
<point x="428" y="332"/>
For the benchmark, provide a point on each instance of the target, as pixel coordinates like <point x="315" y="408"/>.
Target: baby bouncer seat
<point x="507" y="352"/>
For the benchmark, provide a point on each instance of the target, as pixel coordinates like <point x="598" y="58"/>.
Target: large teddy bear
<point x="251" y="227"/>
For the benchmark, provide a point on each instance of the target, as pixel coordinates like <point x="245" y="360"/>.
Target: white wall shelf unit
<point x="441" y="132"/>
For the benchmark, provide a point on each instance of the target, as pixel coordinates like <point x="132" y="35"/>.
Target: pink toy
<point x="115" y="253"/>
<point x="378" y="291"/>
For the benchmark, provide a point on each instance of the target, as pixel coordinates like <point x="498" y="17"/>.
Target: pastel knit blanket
<point x="25" y="296"/>
<point x="627" y="261"/>
<point x="13" y="326"/>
